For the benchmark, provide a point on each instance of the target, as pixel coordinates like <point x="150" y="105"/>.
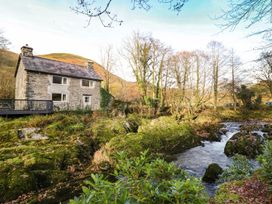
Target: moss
<point x="34" y="161"/>
<point x="159" y="136"/>
<point x="19" y="182"/>
<point x="105" y="129"/>
<point x="212" y="173"/>
<point x="244" y="144"/>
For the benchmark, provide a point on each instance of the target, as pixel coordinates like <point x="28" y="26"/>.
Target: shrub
<point x="106" y="98"/>
<point x="241" y="168"/>
<point x="141" y="180"/>
<point x="266" y="162"/>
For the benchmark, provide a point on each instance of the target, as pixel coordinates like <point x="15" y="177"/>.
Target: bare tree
<point x="4" y="43"/>
<point x="250" y="12"/>
<point x="234" y="64"/>
<point x="137" y="52"/>
<point x="265" y="75"/>
<point x="108" y="63"/>
<point x="218" y="60"/>
<point x="102" y="11"/>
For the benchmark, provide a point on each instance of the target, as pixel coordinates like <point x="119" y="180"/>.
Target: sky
<point x="50" y="26"/>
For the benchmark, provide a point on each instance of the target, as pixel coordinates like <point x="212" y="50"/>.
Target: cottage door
<point x="87" y="102"/>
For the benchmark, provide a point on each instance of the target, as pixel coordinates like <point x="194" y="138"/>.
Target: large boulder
<point x="212" y="173"/>
<point x="244" y="143"/>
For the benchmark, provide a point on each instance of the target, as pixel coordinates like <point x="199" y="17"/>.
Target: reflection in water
<point x="197" y="159"/>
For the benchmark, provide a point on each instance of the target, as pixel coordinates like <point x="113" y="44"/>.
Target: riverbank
<point x="43" y="158"/>
<point x="54" y="154"/>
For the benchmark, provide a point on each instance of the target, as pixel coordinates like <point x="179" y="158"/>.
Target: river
<point x="196" y="160"/>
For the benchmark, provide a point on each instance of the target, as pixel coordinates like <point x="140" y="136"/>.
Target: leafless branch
<point x="92" y="9"/>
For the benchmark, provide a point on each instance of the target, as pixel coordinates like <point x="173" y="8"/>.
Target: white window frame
<point x="62" y="97"/>
<point x="89" y="103"/>
<point x="62" y="80"/>
<point x="91" y="83"/>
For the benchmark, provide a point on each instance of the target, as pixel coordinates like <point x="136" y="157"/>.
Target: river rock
<point x="30" y="134"/>
<point x="212" y="173"/>
<point x="244" y="143"/>
<point x="223" y="131"/>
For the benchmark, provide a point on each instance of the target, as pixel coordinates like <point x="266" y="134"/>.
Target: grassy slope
<point x="120" y="88"/>
<point x="7" y="69"/>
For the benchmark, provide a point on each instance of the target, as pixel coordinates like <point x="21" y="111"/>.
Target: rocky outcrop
<point x="212" y="173"/>
<point x="244" y="143"/>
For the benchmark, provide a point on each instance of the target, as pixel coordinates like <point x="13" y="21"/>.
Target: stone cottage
<point x="69" y="86"/>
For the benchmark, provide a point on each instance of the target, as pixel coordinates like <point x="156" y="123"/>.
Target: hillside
<point x="8" y="62"/>
<point x="119" y="87"/>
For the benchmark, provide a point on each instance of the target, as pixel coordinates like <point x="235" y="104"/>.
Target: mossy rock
<point x="212" y="173"/>
<point x="105" y="129"/>
<point x="158" y="137"/>
<point x="244" y="144"/>
<point x="18" y="182"/>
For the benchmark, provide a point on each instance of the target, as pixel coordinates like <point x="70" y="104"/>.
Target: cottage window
<point x="64" y="80"/>
<point x="59" y="80"/>
<point x="87" y="99"/>
<point x="56" y="97"/>
<point x="64" y="97"/>
<point x="87" y="83"/>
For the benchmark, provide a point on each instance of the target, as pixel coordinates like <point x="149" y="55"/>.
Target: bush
<point x="241" y="168"/>
<point x="266" y="162"/>
<point x="106" y="98"/>
<point x="141" y="180"/>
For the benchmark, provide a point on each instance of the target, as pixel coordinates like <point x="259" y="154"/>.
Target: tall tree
<point x="218" y="60"/>
<point x="137" y="52"/>
<point x="234" y="64"/>
<point x="108" y="63"/>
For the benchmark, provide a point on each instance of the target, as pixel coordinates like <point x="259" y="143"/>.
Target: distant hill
<point x="119" y="87"/>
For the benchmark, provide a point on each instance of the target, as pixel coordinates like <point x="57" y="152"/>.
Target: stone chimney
<point x="90" y="65"/>
<point x="27" y="51"/>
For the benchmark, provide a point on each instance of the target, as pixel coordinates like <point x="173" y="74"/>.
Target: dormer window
<point x="87" y="83"/>
<point x="59" y="80"/>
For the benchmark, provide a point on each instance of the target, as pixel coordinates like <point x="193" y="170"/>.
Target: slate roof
<point x="48" y="66"/>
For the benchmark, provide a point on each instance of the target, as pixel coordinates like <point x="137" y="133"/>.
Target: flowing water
<point x="196" y="160"/>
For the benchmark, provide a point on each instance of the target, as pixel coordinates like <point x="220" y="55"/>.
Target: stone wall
<point x="21" y="81"/>
<point x="41" y="87"/>
<point x="37" y="86"/>
<point x="77" y="92"/>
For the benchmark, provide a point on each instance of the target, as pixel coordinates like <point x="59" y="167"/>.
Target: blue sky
<point x="50" y="26"/>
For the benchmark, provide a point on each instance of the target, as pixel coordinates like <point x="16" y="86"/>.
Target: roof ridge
<point x="60" y="61"/>
<point x="63" y="68"/>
